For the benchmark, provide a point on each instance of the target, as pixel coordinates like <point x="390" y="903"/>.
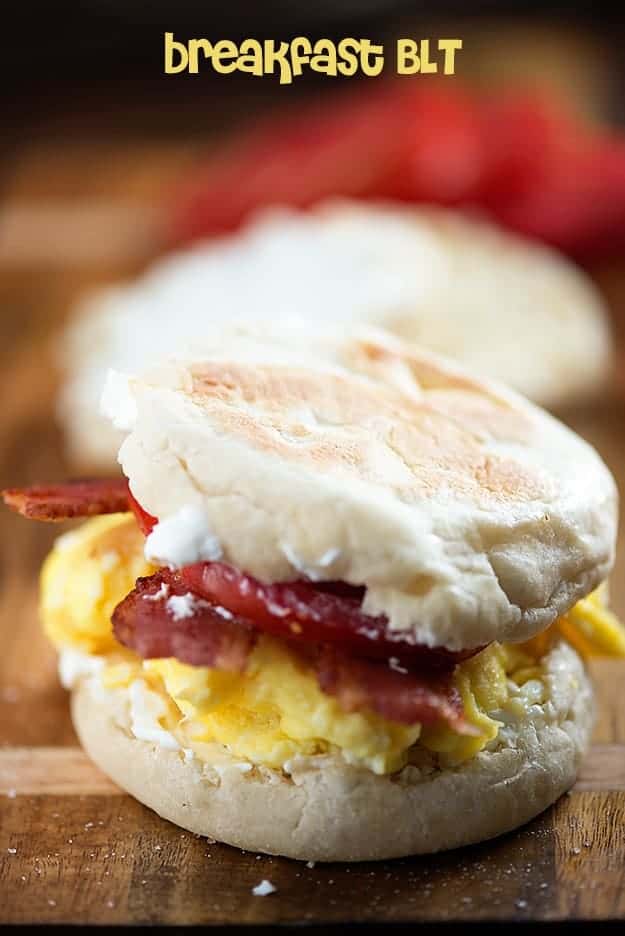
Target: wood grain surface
<point x="74" y="848"/>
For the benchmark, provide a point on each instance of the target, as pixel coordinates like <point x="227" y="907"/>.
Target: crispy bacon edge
<point x="87" y="497"/>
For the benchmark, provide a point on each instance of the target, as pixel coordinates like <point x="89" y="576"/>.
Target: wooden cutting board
<point x="74" y="848"/>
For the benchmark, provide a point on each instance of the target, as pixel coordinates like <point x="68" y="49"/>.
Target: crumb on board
<point x="263" y="889"/>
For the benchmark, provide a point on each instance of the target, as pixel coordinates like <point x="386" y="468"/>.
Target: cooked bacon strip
<point x="199" y="632"/>
<point x="406" y="697"/>
<point x="55" y="502"/>
<point x="161" y="618"/>
<point x="317" y="612"/>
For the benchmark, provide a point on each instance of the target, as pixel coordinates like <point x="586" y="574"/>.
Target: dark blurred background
<point x="100" y="62"/>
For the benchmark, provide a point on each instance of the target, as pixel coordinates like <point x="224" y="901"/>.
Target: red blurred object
<point x="442" y="157"/>
<point x="294" y="160"/>
<point x="523" y="159"/>
<point x="553" y="177"/>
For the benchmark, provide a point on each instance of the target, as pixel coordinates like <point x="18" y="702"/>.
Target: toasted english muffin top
<point x="469" y="514"/>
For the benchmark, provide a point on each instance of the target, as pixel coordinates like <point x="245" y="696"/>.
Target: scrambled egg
<point x="276" y="710"/>
<point x="85" y="577"/>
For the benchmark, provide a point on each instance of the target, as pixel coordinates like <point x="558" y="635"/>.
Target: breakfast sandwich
<point x="338" y="607"/>
<point x="511" y="309"/>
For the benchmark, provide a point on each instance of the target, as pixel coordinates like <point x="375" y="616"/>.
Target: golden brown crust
<point x="437" y="431"/>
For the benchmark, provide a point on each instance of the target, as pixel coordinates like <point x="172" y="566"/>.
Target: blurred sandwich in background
<point x="510" y="308"/>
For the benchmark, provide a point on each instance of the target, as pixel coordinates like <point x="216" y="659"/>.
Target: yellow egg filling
<point x="85" y="576"/>
<point x="275" y="710"/>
